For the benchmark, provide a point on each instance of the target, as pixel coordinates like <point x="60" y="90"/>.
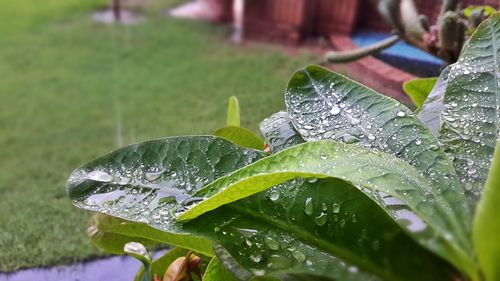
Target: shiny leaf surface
<point x="377" y="174"/>
<point x="471" y="115"/>
<point x="320" y="227"/>
<point x="151" y="181"/>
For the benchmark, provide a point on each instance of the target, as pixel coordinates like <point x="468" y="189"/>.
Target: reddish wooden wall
<point x="278" y="20"/>
<point x="370" y="19"/>
<point x="337" y="16"/>
<point x="290" y="21"/>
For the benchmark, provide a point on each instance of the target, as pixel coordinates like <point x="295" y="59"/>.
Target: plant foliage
<point x="352" y="186"/>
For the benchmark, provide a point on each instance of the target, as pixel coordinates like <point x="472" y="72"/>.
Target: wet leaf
<point x="487" y="224"/>
<point x="377" y="174"/>
<point x="279" y="132"/>
<point x="233" y="112"/>
<point x="324" y="105"/>
<point x="241" y="136"/>
<point x="320" y="227"/>
<point x="216" y="272"/>
<point x="430" y="113"/>
<point x="151" y="181"/>
<point x="419" y="89"/>
<point x="111" y="234"/>
<point x="471" y="115"/>
<point x="103" y="237"/>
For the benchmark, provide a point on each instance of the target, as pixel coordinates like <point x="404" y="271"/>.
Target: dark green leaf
<point x="487" y="224"/>
<point x="279" y="132"/>
<point x="324" y="227"/>
<point x="471" y="115"/>
<point x="240" y="136"/>
<point x="377" y="174"/>
<point x="327" y="106"/>
<point x="233" y="112"/>
<point x="419" y="89"/>
<point x="151" y="181"/>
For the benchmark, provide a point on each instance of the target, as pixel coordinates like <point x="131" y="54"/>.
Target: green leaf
<point x="327" y="106"/>
<point x="103" y="237"/>
<point x="233" y="112"/>
<point x="471" y="115"/>
<point x="377" y="174"/>
<point x="419" y="89"/>
<point x="279" y="132"/>
<point x="487" y="10"/>
<point x="430" y="113"/>
<point x="487" y="224"/>
<point x="149" y="182"/>
<point x="240" y="136"/>
<point x="216" y="272"/>
<point x="111" y="234"/>
<point x="323" y="227"/>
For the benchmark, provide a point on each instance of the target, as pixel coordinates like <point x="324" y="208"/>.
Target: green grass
<point x="65" y="84"/>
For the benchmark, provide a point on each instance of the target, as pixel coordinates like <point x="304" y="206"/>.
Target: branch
<point x="351" y="55"/>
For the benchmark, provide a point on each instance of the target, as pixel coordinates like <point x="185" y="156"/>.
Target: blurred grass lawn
<point x="64" y="83"/>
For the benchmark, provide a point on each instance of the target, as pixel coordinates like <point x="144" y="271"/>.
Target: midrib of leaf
<point x="320" y="243"/>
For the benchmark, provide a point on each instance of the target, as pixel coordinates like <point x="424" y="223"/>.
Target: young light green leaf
<point x="111" y="234"/>
<point x="149" y="182"/>
<point x="471" y="115"/>
<point x="216" y="272"/>
<point x="233" y="112"/>
<point x="419" y="89"/>
<point x="109" y="241"/>
<point x="279" y="132"/>
<point x="322" y="227"/>
<point x="241" y="136"/>
<point x="487" y="224"/>
<point x="377" y="174"/>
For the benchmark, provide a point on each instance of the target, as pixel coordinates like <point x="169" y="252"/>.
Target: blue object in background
<point x="401" y="54"/>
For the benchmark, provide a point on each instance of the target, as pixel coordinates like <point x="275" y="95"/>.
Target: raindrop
<point x="336" y="208"/>
<point x="274" y="195"/>
<point x="153" y="176"/>
<point x="256" y="257"/>
<point x="272" y="244"/>
<point x="355" y="121"/>
<point x="299" y="256"/>
<point x="371" y="137"/>
<point x="308" y="208"/>
<point x="335" y="110"/>
<point x="99" y="176"/>
<point x="321" y="219"/>
<point x="401" y="113"/>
